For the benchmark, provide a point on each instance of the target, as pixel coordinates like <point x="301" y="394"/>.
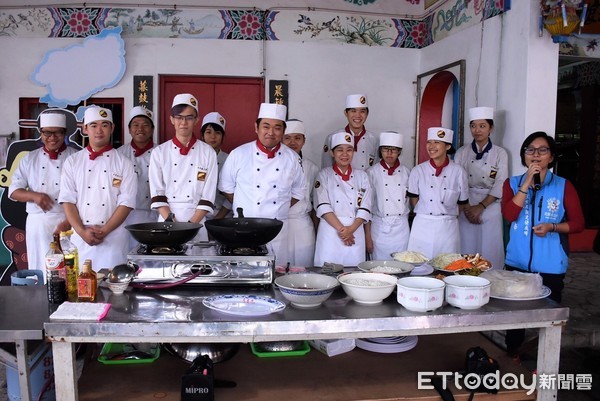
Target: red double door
<point x="237" y="99"/>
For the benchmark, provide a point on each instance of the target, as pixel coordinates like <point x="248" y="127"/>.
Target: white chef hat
<point x="214" y="118"/>
<point x="481" y="113"/>
<point x="341" y="138"/>
<point x="187" y="99"/>
<point x="391" y="138"/>
<point x="295" y="127"/>
<point x="138" y="111"/>
<point x="357" y="100"/>
<point x="273" y="110"/>
<point x="97" y="113"/>
<point x="51" y="119"/>
<point x="440" y="134"/>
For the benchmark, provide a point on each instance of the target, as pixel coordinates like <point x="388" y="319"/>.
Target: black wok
<point x="166" y="233"/>
<point x="243" y="231"/>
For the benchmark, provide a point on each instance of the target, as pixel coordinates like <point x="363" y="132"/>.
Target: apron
<point x="106" y="255"/>
<point x="139" y="216"/>
<point x="301" y="241"/>
<point x="280" y="245"/>
<point x="39" y="228"/>
<point x="183" y="212"/>
<point x="330" y="248"/>
<point x="433" y="235"/>
<point x="389" y="235"/>
<point x="486" y="238"/>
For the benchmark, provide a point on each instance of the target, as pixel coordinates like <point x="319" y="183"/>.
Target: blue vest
<point x="526" y="250"/>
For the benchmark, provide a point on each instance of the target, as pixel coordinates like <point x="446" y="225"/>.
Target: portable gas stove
<point x="217" y="264"/>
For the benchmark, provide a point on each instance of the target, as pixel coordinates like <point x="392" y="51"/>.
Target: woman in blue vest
<point x="542" y="211"/>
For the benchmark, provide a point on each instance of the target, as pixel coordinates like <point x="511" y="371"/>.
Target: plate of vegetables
<point x="464" y="264"/>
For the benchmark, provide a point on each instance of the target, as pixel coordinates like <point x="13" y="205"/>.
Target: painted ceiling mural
<point x="253" y="24"/>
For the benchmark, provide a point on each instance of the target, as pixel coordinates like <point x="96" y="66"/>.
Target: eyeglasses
<point x="390" y="149"/>
<point x="48" y="134"/>
<point x="181" y="118"/>
<point x="540" y="151"/>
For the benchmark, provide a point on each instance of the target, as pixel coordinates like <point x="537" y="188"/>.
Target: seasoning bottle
<point x="86" y="284"/>
<point x="89" y="262"/>
<point x="55" y="275"/>
<point x="71" y="263"/>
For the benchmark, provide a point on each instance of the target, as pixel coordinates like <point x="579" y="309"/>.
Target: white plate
<point x="243" y="305"/>
<point x="409" y="343"/>
<point x="422" y="270"/>
<point x="545" y="292"/>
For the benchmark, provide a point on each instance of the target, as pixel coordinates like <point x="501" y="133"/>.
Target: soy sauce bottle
<point x="56" y="278"/>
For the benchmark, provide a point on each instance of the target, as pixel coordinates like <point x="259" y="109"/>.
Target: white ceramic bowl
<point x="467" y="292"/>
<point x="420" y="294"/>
<point x="368" y="288"/>
<point x="394" y="267"/>
<point x="306" y="290"/>
<point x="118" y="288"/>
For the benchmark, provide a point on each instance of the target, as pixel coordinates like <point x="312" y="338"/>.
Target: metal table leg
<point x="65" y="381"/>
<point x="23" y="369"/>
<point x="548" y="360"/>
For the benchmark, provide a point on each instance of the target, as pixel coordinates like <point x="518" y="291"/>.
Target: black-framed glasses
<point x="540" y="151"/>
<point x="181" y="118"/>
<point x="390" y="149"/>
<point x="48" y="134"/>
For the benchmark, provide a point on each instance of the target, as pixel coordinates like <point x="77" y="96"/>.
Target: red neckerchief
<point x="140" y="151"/>
<point x="53" y="155"/>
<point x="438" y="170"/>
<point x="94" y="154"/>
<point x="345" y="177"/>
<point x="184" y="150"/>
<point x="390" y="170"/>
<point x="270" y="153"/>
<point x="358" y="137"/>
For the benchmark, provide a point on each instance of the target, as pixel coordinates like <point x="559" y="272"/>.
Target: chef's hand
<point x="62" y="227"/>
<point x="89" y="236"/>
<point x="100" y="232"/>
<point x="349" y="241"/>
<point x="369" y="244"/>
<point x="542" y="229"/>
<point x="473" y="213"/>
<point x="43" y="201"/>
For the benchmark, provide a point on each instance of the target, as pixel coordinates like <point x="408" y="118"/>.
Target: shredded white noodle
<point x="366" y="282"/>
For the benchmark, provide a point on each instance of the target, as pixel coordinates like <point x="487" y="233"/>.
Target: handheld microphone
<point x="537" y="185"/>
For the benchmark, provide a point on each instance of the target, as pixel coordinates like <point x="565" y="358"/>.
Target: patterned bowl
<point x="467" y="292"/>
<point x="306" y="290"/>
<point x="420" y="294"/>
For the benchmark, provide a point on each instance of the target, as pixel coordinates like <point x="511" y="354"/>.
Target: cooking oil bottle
<point x="86" y="284"/>
<point x="71" y="263"/>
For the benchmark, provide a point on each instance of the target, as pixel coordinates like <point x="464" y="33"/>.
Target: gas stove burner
<point x="243" y="251"/>
<point x="162" y="250"/>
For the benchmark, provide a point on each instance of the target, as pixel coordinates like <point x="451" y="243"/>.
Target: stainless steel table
<point x="178" y="315"/>
<point x="23" y="311"/>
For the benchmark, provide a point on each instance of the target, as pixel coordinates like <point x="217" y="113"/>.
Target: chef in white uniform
<point x="141" y="129"/>
<point x="301" y="220"/>
<point x="343" y="198"/>
<point x="212" y="132"/>
<point x="264" y="177"/>
<point x="481" y="227"/>
<point x="36" y="181"/>
<point x="365" y="142"/>
<point x="97" y="190"/>
<point x="437" y="189"/>
<point x="183" y="170"/>
<point x="388" y="231"/>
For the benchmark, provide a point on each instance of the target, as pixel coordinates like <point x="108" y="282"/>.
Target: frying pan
<point x="243" y="231"/>
<point x="166" y="233"/>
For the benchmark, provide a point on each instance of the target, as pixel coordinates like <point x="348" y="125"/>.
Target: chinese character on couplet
<point x="143" y="86"/>
<point x="143" y="99"/>
<point x="566" y="381"/>
<point x="279" y="100"/>
<point x="583" y="381"/>
<point x="278" y="91"/>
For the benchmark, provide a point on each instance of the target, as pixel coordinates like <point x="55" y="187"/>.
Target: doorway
<point x="237" y="99"/>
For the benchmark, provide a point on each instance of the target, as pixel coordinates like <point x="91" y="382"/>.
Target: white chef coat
<point x="301" y="231"/>
<point x="142" y="212"/>
<point x="184" y="182"/>
<point x="389" y="224"/>
<point x="97" y="187"/>
<point x="348" y="200"/>
<point x="366" y="154"/>
<point x="486" y="177"/>
<point x="220" y="200"/>
<point x="38" y="173"/>
<point x="435" y="227"/>
<point x="264" y="187"/>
